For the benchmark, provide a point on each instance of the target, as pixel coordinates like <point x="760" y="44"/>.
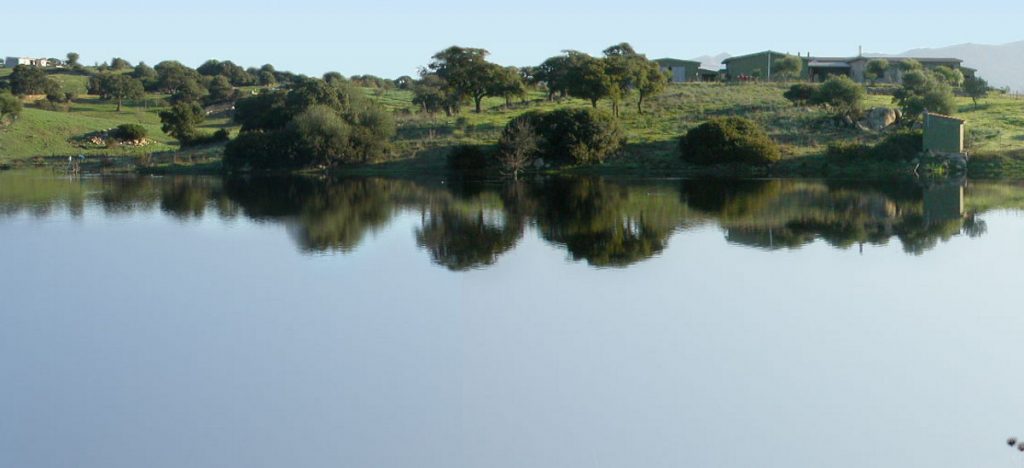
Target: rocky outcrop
<point x="880" y="118"/>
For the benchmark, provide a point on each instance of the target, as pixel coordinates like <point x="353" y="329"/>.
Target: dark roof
<point x="672" y="61"/>
<point x="752" y="55"/>
<point x="816" y="63"/>
<point x="707" y="71"/>
<point x="944" y="117"/>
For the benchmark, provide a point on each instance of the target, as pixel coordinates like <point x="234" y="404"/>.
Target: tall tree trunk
<point x="119" y="104"/>
<point x="593" y="102"/>
<point x="640" y="104"/>
<point x="478" y="99"/>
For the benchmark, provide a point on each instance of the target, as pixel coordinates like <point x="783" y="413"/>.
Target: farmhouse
<point x="681" y="71"/>
<point x="12" y="62"/>
<point x="759" y="66"/>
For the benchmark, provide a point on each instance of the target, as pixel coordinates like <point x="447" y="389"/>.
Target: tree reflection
<point x="604" y="222"/>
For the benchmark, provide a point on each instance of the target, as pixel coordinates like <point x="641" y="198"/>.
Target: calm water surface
<point x="199" y="322"/>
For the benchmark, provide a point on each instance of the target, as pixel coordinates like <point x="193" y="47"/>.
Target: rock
<point x="847" y="121"/>
<point x="880" y="118"/>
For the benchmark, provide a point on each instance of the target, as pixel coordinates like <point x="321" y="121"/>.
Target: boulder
<point x="880" y="118"/>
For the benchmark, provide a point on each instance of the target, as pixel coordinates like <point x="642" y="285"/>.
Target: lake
<point x="367" y="322"/>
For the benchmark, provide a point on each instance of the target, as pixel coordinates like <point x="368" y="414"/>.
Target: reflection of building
<point x="943" y="203"/>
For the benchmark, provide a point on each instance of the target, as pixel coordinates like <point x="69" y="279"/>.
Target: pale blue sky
<point x="392" y="38"/>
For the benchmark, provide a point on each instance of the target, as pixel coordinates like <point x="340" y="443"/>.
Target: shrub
<point x="924" y="91"/>
<point x="468" y="159"/>
<point x="267" y="150"/>
<point x="902" y="146"/>
<point x="130" y="132"/>
<point x="329" y="124"/>
<point x="577" y="136"/>
<point x="10" y="105"/>
<point x="801" y="94"/>
<point x="842" y="94"/>
<point x="728" y="140"/>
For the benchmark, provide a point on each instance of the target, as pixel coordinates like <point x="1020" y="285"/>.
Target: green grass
<point x="41" y="131"/>
<point x="995" y="128"/>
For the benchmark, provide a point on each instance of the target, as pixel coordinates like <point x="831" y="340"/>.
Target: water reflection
<point x="604" y="222"/>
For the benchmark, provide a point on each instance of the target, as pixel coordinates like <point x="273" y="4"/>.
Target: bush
<point x="801" y="94"/>
<point x="130" y="132"/>
<point x="468" y="159"/>
<point x="842" y="94"/>
<point x="10" y="105"/>
<point x="576" y="136"/>
<point x="267" y="150"/>
<point x="329" y="124"/>
<point x="897" y="147"/>
<point x="728" y="140"/>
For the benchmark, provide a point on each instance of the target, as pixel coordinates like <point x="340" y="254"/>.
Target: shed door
<point x="679" y="73"/>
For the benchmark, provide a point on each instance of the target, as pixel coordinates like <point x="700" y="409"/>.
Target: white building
<point x="12" y="62"/>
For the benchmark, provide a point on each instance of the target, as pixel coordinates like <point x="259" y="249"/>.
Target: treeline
<point x="458" y="75"/>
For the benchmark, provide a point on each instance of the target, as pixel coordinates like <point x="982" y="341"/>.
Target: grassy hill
<point x="995" y="128"/>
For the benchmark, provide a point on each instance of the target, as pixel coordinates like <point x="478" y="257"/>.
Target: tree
<point x="171" y="76"/>
<point x="508" y="84"/>
<point x="651" y="81"/>
<point x="73" y="60"/>
<point x="429" y="93"/>
<point x="977" y="88"/>
<point x="324" y="135"/>
<point x="876" y="69"/>
<point x="189" y="90"/>
<point x="220" y="90"/>
<point x="587" y="78"/>
<point x="622" y="67"/>
<point x="923" y="91"/>
<point x="182" y="121"/>
<point x="334" y="77"/>
<point x="910" y="65"/>
<point x="120" y="87"/>
<point x="26" y="80"/>
<point x="266" y="78"/>
<point x="787" y="68"/>
<point x="10" y="106"/>
<point x="466" y="72"/>
<point x="144" y="73"/>
<point x="313" y="124"/>
<point x="554" y="75"/>
<point x="118" y="63"/>
<point x="951" y="76"/>
<point x="517" y="146"/>
<point x="841" y="94"/>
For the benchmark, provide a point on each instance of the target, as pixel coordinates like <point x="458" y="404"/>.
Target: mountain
<point x="712" y="62"/>
<point x="1001" y="65"/>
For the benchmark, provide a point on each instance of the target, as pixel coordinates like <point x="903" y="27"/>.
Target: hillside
<point x="1001" y="65"/>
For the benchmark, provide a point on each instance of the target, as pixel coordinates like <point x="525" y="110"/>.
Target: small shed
<point x="943" y="134"/>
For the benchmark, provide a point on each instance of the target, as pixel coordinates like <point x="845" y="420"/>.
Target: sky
<point x="391" y="38"/>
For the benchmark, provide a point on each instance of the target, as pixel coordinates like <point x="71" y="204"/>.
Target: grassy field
<point x="995" y="127"/>
<point x="46" y="131"/>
